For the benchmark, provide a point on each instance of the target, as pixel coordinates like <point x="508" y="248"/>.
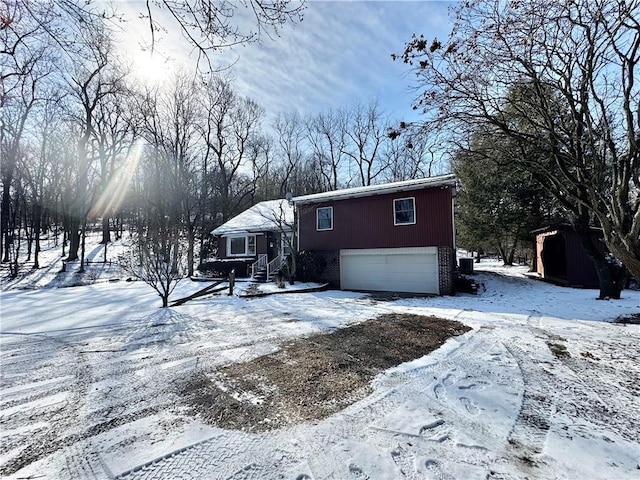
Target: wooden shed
<point x="562" y="259"/>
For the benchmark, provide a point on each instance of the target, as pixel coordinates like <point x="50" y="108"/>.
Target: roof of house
<point x="262" y="217"/>
<point x="371" y="190"/>
<point x="563" y="226"/>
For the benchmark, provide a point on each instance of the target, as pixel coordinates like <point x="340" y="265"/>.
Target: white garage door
<point x="413" y="270"/>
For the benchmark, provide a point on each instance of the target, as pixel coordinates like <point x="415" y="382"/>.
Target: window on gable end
<point x="324" y="218"/>
<point x="404" y="211"/>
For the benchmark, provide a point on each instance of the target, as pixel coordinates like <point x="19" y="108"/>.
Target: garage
<point x="411" y="270"/>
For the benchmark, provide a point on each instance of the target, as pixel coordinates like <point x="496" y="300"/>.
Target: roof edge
<point x="371" y="190"/>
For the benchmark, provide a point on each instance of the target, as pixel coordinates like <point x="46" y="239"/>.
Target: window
<point x="324" y="218"/>
<point x="242" y="246"/>
<point x="285" y="247"/>
<point x="404" y="210"/>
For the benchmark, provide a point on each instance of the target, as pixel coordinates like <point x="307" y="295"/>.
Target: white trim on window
<point x="285" y="242"/>
<point x="249" y="246"/>
<point x="329" y="217"/>
<point x="411" y="213"/>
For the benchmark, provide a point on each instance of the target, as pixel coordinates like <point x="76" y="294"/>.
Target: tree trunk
<point x="74" y="239"/>
<point x="6" y="235"/>
<point x="28" y="230"/>
<point x="190" y="249"/>
<point x="630" y="260"/>
<point x="507" y="254"/>
<point x="14" y="264"/>
<point x="106" y="231"/>
<point x="37" y="218"/>
<point x="82" y="250"/>
<point x="611" y="276"/>
<point x="293" y="268"/>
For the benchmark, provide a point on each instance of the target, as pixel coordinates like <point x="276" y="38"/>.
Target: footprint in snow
<point x="470" y="406"/>
<point x="357" y="471"/>
<point x="448" y="380"/>
<point x="438" y="390"/>
<point x="435" y="431"/>
<point x="433" y="467"/>
<point x="479" y="385"/>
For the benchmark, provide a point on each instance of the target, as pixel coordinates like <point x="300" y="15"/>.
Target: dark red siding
<point x="368" y="222"/>
<point x="222" y="247"/>
<point x="580" y="268"/>
<point x="261" y="246"/>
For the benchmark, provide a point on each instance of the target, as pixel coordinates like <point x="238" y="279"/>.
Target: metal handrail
<point x="274" y="265"/>
<point x="263" y="261"/>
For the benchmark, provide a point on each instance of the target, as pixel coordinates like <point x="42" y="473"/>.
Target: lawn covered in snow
<point x="544" y="386"/>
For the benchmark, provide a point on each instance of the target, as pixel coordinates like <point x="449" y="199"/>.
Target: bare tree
<point x="113" y="140"/>
<point x="41" y="167"/>
<point x="230" y="128"/>
<point x="24" y="67"/>
<point x="157" y="258"/>
<point x="92" y="83"/>
<point x="326" y="133"/>
<point x="169" y="120"/>
<point x="366" y="132"/>
<point x="290" y="138"/>
<point x="557" y="78"/>
<point x="285" y="221"/>
<point x="209" y="26"/>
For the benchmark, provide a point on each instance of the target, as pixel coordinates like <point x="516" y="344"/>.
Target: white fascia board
<point x="240" y="233"/>
<point x="371" y="190"/>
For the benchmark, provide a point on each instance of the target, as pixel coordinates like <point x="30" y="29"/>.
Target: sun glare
<point x="117" y="188"/>
<point x="151" y="67"/>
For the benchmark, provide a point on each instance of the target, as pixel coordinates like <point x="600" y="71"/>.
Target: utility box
<point x="466" y="265"/>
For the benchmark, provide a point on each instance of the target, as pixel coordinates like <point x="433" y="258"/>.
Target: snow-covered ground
<point x="91" y="381"/>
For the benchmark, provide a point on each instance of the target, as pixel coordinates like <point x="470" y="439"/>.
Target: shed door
<point x="413" y="270"/>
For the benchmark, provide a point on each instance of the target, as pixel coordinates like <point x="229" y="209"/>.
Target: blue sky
<point x="337" y="56"/>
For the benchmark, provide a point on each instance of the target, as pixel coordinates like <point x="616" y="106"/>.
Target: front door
<point x="273" y="245"/>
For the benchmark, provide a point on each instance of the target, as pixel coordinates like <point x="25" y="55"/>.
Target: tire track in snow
<point x="529" y="433"/>
<point x="36" y="444"/>
<point x="322" y="453"/>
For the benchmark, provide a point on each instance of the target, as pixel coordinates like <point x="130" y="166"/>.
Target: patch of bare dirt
<point x="314" y="377"/>
<point x="558" y="349"/>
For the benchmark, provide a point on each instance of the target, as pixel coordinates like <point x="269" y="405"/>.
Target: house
<point x="259" y="236"/>
<point x="561" y="258"/>
<point x="392" y="237"/>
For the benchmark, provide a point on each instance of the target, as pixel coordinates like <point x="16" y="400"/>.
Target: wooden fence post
<point x="232" y="280"/>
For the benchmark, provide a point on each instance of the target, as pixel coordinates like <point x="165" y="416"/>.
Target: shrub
<point x="310" y="266"/>
<point x="222" y="268"/>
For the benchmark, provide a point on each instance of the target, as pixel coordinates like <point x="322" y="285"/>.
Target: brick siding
<point x="332" y="272"/>
<point x="446" y="266"/>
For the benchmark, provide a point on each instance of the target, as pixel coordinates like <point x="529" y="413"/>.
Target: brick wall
<point x="332" y="272"/>
<point x="446" y="266"/>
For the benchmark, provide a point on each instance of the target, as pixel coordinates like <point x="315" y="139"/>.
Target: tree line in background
<point x="534" y="103"/>
<point x="83" y="143"/>
<point x="542" y="94"/>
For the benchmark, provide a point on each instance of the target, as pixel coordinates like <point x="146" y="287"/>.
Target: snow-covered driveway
<point x="539" y="389"/>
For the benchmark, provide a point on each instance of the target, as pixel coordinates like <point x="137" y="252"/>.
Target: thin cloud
<point x="338" y="55"/>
